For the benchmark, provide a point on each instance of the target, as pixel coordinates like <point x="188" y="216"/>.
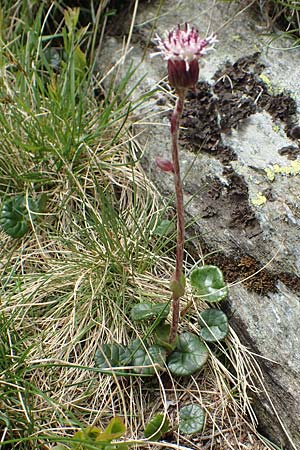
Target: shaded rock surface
<point x="241" y="170"/>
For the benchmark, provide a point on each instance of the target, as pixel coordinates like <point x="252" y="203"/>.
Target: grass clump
<point x="67" y="283"/>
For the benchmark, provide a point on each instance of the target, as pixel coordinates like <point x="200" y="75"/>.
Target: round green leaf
<point x="209" y="283"/>
<point x="147" y="357"/>
<point x="147" y="311"/>
<point x="214" y="325"/>
<point x="109" y="356"/>
<point x="189" y="356"/>
<point x="192" y="418"/>
<point x="14" y="216"/>
<point x="156" y="427"/>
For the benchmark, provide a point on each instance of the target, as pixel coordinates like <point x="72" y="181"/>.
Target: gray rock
<point x="267" y="318"/>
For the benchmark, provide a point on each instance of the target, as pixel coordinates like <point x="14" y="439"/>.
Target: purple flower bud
<point x="164" y="164"/>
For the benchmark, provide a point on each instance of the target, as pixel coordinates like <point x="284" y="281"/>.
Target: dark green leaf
<point x="214" y="325"/>
<point x="209" y="283"/>
<point x="189" y="356"/>
<point x="191" y="419"/>
<point x="109" y="356"/>
<point x="156" y="427"/>
<point x="147" y="357"/>
<point x="147" y="311"/>
<point x="14" y="216"/>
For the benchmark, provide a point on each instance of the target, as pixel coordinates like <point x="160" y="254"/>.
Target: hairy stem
<point x="178" y="287"/>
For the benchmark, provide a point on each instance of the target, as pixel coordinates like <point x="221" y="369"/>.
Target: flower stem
<point x="178" y="281"/>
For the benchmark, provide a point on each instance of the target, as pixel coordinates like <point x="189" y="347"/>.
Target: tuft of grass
<point x="284" y="15"/>
<point x="69" y="283"/>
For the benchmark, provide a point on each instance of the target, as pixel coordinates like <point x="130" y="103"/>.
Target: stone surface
<point x="247" y="207"/>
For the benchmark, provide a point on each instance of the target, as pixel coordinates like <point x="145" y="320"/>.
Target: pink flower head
<point x="183" y="49"/>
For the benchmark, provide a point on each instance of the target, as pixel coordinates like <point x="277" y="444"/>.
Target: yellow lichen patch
<point x="267" y="82"/>
<point x="259" y="200"/>
<point x="292" y="170"/>
<point x="270" y="174"/>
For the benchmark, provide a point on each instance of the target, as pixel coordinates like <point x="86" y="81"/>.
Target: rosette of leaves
<point x="208" y="283"/>
<point x="17" y="213"/>
<point x="214" y="325"/>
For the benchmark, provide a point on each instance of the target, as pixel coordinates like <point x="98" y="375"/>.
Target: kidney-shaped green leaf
<point x="144" y="358"/>
<point x="14" y="216"/>
<point x="147" y="311"/>
<point x="109" y="356"/>
<point x="189" y="356"/>
<point x="209" y="283"/>
<point x="191" y="419"/>
<point x="156" y="427"/>
<point x="214" y="325"/>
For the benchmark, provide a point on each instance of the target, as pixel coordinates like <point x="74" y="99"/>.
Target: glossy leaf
<point x="156" y="427"/>
<point x="209" y="283"/>
<point x="147" y="357"/>
<point x="59" y="447"/>
<point x="149" y="311"/>
<point x="109" y="356"/>
<point x="191" y="419"/>
<point x="14" y="216"/>
<point x="214" y="325"/>
<point x="189" y="356"/>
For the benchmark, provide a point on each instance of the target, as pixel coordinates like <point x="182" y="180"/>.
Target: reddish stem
<point x="175" y="120"/>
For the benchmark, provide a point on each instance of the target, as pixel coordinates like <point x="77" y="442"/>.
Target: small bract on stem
<point x="182" y="48"/>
